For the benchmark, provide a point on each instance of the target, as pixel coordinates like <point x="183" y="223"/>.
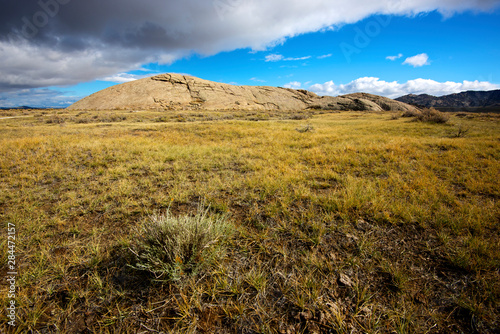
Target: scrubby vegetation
<point x="173" y="248"/>
<point x="366" y="224"/>
<point x="428" y="115"/>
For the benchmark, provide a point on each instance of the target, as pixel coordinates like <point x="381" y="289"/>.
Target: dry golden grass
<point x="362" y="223"/>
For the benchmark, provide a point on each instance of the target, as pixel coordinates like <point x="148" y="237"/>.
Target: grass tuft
<point x="174" y="247"/>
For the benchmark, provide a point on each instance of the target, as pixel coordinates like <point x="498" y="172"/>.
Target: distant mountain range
<point x="21" y="107"/>
<point x="474" y="101"/>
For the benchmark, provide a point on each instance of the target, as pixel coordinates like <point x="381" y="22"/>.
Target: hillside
<point x="182" y="92"/>
<point x="485" y="101"/>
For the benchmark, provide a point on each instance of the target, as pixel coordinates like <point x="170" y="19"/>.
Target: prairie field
<point x="308" y="222"/>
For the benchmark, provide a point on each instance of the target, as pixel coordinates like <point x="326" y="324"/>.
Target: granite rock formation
<point x="182" y="92"/>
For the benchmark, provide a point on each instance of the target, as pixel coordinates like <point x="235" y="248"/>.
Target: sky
<point x="55" y="52"/>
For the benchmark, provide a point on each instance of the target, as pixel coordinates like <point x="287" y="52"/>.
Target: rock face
<point x="182" y="92"/>
<point x="486" y="101"/>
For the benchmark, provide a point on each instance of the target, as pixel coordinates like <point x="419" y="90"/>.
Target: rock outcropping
<point x="182" y="92"/>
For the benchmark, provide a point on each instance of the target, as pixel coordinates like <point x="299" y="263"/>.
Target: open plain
<point x="339" y="222"/>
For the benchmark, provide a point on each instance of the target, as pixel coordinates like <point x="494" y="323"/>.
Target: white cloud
<point x="293" y="84"/>
<point x="257" y="80"/>
<point x="395" y="89"/>
<point x="274" y="57"/>
<point x="394" y="57"/>
<point x="325" y="56"/>
<point x="278" y="57"/>
<point x="298" y="58"/>
<point x="418" y="60"/>
<point x="123" y="77"/>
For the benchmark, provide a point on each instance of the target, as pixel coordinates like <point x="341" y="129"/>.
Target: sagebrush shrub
<point x="173" y="247"/>
<point x="410" y="113"/>
<point x="431" y="115"/>
<point x="428" y="115"/>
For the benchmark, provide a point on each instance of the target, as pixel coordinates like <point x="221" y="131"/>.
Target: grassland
<point x="342" y="222"/>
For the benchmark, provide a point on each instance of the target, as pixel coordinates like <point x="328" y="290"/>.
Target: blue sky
<point x="463" y="47"/>
<point x="438" y="52"/>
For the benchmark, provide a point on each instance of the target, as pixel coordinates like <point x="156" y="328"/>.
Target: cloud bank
<point x="395" y="89"/>
<point x="64" y="42"/>
<point x="37" y="98"/>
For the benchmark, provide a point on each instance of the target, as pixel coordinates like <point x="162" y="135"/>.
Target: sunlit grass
<point x="407" y="210"/>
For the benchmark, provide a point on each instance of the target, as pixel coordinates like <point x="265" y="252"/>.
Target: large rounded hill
<point x="182" y="92"/>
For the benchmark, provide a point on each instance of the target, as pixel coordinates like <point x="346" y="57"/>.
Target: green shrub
<point x="173" y="247"/>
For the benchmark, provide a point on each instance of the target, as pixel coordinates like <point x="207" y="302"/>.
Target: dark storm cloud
<point x="63" y="42"/>
<point x="127" y="23"/>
